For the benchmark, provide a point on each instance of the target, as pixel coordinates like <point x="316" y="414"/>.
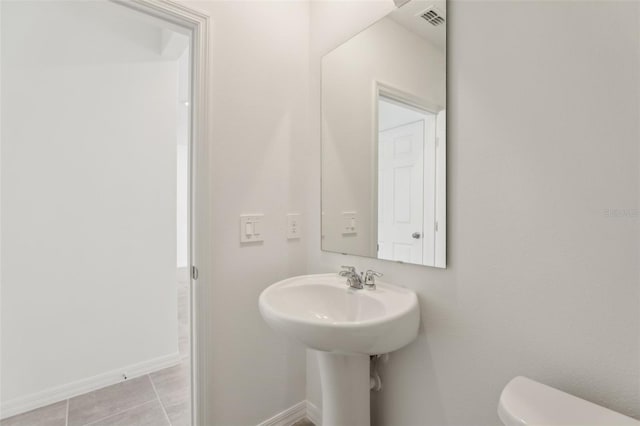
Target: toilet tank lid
<point x="527" y="402"/>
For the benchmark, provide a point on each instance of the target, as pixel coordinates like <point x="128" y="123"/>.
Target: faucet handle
<point x="348" y="269"/>
<point x="370" y="278"/>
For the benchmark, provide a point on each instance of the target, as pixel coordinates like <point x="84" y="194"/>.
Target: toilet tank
<point x="526" y="402"/>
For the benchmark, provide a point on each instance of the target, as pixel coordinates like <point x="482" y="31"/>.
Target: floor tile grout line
<point x="164" y="410"/>
<point x="119" y="412"/>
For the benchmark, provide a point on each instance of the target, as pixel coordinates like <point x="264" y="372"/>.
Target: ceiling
<point x="409" y="17"/>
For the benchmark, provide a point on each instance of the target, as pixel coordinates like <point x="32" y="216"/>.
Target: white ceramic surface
<point x="324" y="314"/>
<point x="527" y="402"/>
<point x="346" y="326"/>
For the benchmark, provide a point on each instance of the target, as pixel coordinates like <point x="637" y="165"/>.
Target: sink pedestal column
<point x="345" y="389"/>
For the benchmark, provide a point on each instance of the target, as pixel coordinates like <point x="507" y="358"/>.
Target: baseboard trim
<point x="30" y="402"/>
<point x="288" y="416"/>
<point x="314" y="414"/>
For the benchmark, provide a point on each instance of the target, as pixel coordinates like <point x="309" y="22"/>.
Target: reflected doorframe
<point x="385" y="90"/>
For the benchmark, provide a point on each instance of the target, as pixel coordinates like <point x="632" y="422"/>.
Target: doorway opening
<point x="100" y="124"/>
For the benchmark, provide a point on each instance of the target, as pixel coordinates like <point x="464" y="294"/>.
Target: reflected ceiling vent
<point x="433" y="16"/>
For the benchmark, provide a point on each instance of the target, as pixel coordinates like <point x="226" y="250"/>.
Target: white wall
<point x="259" y="132"/>
<point x="88" y="197"/>
<point x="385" y="53"/>
<point x="543" y="137"/>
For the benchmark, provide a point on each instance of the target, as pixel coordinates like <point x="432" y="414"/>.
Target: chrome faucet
<point x="353" y="279"/>
<point x="360" y="281"/>
<point x="370" y="279"/>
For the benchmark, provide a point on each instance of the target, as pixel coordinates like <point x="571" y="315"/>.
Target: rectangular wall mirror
<point x="384" y="139"/>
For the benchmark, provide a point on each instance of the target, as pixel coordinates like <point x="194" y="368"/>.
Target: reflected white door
<point x="400" y="192"/>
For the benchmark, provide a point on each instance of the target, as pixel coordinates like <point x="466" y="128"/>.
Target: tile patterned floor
<point x="113" y="398"/>
<point x="157" y="399"/>
<point x="161" y="398"/>
<point x="303" y="422"/>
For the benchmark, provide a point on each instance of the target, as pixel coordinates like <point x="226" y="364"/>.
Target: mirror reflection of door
<point x="406" y="182"/>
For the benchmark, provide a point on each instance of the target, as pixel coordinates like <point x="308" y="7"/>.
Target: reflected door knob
<point x="416" y="235"/>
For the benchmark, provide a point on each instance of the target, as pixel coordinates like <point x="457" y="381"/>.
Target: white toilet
<point x="526" y="402"/>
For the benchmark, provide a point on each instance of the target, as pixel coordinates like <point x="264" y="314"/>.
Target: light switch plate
<point x="251" y="228"/>
<point x="293" y="226"/>
<point x="349" y="223"/>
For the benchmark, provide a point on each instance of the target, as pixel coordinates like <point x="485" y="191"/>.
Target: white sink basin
<point x="325" y="314"/>
<point x="345" y="326"/>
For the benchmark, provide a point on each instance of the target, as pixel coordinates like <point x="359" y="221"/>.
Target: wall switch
<point x="349" y="223"/>
<point x="251" y="228"/>
<point x="293" y="226"/>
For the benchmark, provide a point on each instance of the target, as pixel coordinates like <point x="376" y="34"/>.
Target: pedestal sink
<point x="346" y="326"/>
